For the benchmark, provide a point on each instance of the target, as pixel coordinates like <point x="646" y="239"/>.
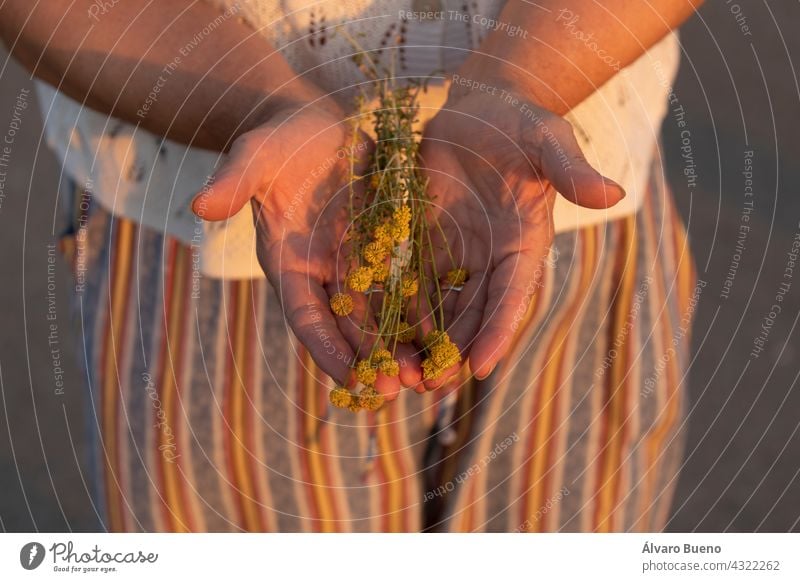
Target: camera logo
<point x="31" y="555"/>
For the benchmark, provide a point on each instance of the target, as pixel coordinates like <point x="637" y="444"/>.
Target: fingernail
<point x="611" y="183"/>
<point x="484" y="376"/>
<point x="196" y="204"/>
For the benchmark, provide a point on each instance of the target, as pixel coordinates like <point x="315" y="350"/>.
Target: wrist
<point x="492" y="75"/>
<point x="296" y="95"/>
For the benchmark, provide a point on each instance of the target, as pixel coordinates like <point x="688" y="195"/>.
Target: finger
<point x="360" y="330"/>
<point x="444" y="377"/>
<point x="468" y="315"/>
<point x="511" y="289"/>
<point x="410" y="365"/>
<point x="467" y="312"/>
<point x="450" y="298"/>
<point x="420" y="313"/>
<point x="389" y="387"/>
<point x="567" y="168"/>
<point x="308" y="313"/>
<point x="425" y="310"/>
<point x="239" y="179"/>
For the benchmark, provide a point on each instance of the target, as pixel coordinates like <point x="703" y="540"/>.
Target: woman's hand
<point x="495" y="161"/>
<point x="296" y="170"/>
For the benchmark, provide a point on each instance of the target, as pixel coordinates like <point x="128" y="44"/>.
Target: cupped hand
<point x="494" y="167"/>
<point x="296" y="170"/>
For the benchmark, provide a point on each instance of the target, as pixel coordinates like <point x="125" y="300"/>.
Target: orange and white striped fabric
<point x="209" y="416"/>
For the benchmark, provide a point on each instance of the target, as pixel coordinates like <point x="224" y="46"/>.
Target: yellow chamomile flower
<point x="383" y="236"/>
<point x="457" y="277"/>
<point x="405" y="333"/>
<point x="432" y="337"/>
<point x="380" y="273"/>
<point x="430" y="371"/>
<point x="401" y="221"/>
<point x="340" y="397"/>
<point x="443" y="354"/>
<point x="360" y="279"/>
<point x="370" y="399"/>
<point x="341" y="304"/>
<point x="382" y="358"/>
<point x="390" y="368"/>
<point x="409" y="286"/>
<point x="374" y="253"/>
<point x="355" y="404"/>
<point x="366" y="372"/>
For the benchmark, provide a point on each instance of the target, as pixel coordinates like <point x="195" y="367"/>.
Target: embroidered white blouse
<point x="143" y="177"/>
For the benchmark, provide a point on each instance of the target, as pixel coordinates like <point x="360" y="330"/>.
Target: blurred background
<point x="739" y="92"/>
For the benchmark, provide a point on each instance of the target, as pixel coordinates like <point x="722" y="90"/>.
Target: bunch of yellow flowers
<point x="391" y="255"/>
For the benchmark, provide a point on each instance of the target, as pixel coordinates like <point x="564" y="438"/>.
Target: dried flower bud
<point x="375" y="253"/>
<point x="457" y="277"/>
<point x="366" y="372"/>
<point x="405" y="333"/>
<point x="380" y="273"/>
<point x="409" y="285"/>
<point x="381" y="354"/>
<point x="390" y="368"/>
<point x="341" y="304"/>
<point x="340" y="397"/>
<point x="383" y="236"/>
<point x="360" y="279"/>
<point x="370" y="399"/>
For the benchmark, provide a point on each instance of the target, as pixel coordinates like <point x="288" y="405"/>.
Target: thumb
<point x="565" y="166"/>
<point x="240" y="178"/>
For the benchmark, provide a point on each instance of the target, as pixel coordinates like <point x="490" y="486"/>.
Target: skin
<point x="496" y="172"/>
<point x="237" y="94"/>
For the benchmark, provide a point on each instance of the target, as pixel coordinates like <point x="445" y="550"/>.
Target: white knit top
<point x="143" y="177"/>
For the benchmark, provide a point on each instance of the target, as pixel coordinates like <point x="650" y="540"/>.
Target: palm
<point x="300" y="215"/>
<point x="296" y="169"/>
<point x="295" y="173"/>
<point x="495" y="212"/>
<point x="488" y="166"/>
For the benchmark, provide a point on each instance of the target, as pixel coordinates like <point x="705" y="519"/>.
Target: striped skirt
<point x="206" y="414"/>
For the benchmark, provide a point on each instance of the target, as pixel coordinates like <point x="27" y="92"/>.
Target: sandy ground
<point x="739" y="93"/>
